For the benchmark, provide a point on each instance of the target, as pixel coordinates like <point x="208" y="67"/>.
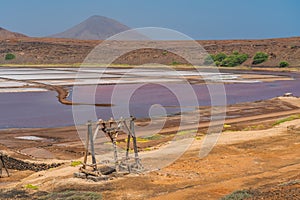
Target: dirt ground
<point x="66" y="51"/>
<point x="64" y="143"/>
<point x="252" y="154"/>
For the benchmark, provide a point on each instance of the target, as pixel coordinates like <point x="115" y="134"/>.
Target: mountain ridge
<point x="6" y="34"/>
<point x="94" y="28"/>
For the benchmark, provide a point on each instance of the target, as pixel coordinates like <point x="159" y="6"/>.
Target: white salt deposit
<point x="30" y="137"/>
<point x="88" y="76"/>
<point x="11" y="90"/>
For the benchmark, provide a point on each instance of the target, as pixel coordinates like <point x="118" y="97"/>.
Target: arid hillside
<point x="5" y="34"/>
<point x="94" y="28"/>
<point x="67" y="51"/>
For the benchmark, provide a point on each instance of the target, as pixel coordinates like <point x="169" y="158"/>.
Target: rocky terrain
<point x="68" y="51"/>
<point x="17" y="164"/>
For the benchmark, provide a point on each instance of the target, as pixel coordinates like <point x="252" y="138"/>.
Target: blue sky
<point x="199" y="19"/>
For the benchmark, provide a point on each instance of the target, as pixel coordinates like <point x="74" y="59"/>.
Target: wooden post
<point x="115" y="154"/>
<point x="128" y="145"/>
<point x="136" y="155"/>
<point x="138" y="164"/>
<point x="92" y="144"/>
<point x="86" y="153"/>
<point x="2" y="164"/>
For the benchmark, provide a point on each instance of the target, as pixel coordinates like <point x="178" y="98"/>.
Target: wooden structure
<point x="111" y="128"/>
<point x="2" y="165"/>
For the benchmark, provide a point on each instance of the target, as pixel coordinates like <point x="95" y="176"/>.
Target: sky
<point x="199" y="19"/>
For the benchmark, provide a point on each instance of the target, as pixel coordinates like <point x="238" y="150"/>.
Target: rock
<point x="80" y="175"/>
<point x="97" y="178"/>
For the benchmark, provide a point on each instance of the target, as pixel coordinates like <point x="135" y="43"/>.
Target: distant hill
<point x="94" y="28"/>
<point x="73" y="51"/>
<point x="5" y="34"/>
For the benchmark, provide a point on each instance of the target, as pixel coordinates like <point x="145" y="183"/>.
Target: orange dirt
<point x="260" y="159"/>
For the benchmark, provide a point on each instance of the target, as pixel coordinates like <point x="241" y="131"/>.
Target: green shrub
<point x="209" y="60"/>
<point x="235" y="53"/>
<point x="283" y="64"/>
<point x="234" y="59"/>
<point x="75" y="163"/>
<point x="220" y="57"/>
<point x="217" y="63"/>
<point x="260" y="57"/>
<point x="10" y="56"/>
<point x="30" y="186"/>
<point x="175" y="63"/>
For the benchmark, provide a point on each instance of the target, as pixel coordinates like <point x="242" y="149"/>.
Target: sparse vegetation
<point x="283" y="64"/>
<point x="227" y="126"/>
<point x="234" y="59"/>
<point x="30" y="186"/>
<point x="292" y="182"/>
<point x="75" y="163"/>
<point x="257" y="127"/>
<point x="260" y="57"/>
<point x="186" y="132"/>
<point x="215" y="59"/>
<point x="68" y="195"/>
<point x="148" y="138"/>
<point x="238" y="195"/>
<point x="147" y="149"/>
<point x="10" y="56"/>
<point x="198" y="137"/>
<point x="141" y="140"/>
<point x="294" y="47"/>
<point x="287" y="119"/>
<point x="221" y="59"/>
<point x="175" y="63"/>
<point x="154" y="137"/>
<point x="217" y="63"/>
<point x="208" y="60"/>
